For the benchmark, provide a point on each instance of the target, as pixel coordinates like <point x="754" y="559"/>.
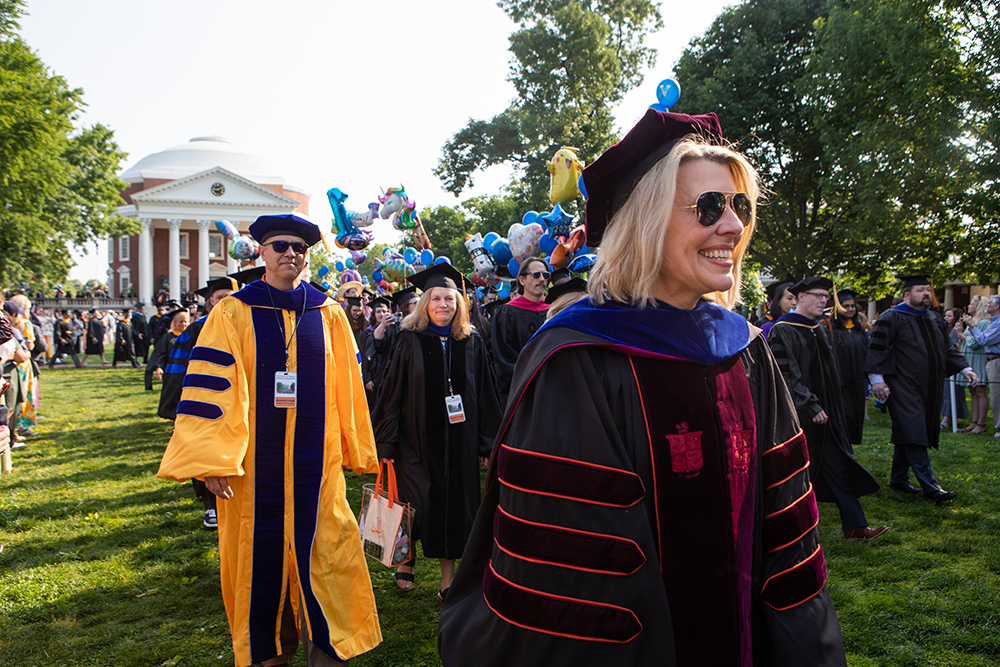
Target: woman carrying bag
<point x="436" y="417"/>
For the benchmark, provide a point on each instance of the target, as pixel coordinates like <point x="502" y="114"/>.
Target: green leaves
<point x="857" y="115"/>
<point x="572" y="62"/>
<point x="58" y="187"/>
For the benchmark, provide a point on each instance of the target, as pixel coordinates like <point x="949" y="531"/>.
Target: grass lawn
<point x="104" y="564"/>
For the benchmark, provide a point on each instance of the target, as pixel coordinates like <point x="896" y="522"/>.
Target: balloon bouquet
<point x="241" y="248"/>
<point x="554" y="236"/>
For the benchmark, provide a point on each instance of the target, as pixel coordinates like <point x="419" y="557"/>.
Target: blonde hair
<point x="420" y="317"/>
<point x="564" y="301"/>
<point x="23" y="302"/>
<point x="981" y="313"/>
<point x="631" y="256"/>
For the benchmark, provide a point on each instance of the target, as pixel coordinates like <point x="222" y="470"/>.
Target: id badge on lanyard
<point x="456" y="411"/>
<point x="285" y="389"/>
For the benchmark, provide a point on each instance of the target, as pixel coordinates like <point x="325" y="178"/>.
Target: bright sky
<point x="338" y="94"/>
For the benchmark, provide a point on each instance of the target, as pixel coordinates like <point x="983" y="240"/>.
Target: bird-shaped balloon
<point x="564" y="170"/>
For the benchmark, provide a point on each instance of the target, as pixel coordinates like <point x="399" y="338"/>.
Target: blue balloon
<point x="427" y="257"/>
<point x="513" y="267"/>
<point x="582" y="263"/>
<point x="581" y="187"/>
<point x="349" y="263"/>
<point x="323" y="270"/>
<point x="339" y="266"/>
<point x="489" y="240"/>
<point x="530" y="217"/>
<point x="501" y="252"/>
<point x="409" y="255"/>
<point x="479" y="293"/>
<point x="547" y="244"/>
<point x="668" y="92"/>
<point x="377" y="276"/>
<point x="504" y="290"/>
<point x="325" y="285"/>
<point x="442" y="260"/>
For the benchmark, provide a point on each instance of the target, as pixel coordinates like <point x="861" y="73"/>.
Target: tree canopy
<point x="58" y="185"/>
<point x="872" y="125"/>
<point x="572" y="61"/>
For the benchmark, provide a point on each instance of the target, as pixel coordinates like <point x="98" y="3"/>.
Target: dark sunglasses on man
<point x="538" y="274"/>
<point x="711" y="207"/>
<point x="280" y="247"/>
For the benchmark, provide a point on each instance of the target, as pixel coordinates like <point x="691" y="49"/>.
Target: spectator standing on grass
<point x="7" y="352"/>
<point x="24" y="381"/>
<point x="46" y="316"/>
<point x="989" y="339"/>
<point x="956" y="336"/>
<point x="292" y="564"/>
<point x="909" y="357"/>
<point x="978" y="319"/>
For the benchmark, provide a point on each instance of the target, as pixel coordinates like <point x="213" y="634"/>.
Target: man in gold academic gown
<point x="272" y="409"/>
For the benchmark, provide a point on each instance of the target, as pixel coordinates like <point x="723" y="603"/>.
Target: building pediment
<point x="216" y="187"/>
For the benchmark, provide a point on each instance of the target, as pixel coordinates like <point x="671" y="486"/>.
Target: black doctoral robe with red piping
<point x="643" y="509"/>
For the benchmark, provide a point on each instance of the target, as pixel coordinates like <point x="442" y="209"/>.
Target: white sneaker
<point x="211" y="521"/>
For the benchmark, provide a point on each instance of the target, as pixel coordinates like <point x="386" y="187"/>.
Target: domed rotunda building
<point x="177" y="195"/>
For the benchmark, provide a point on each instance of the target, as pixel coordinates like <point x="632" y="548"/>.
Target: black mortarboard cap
<point x="559" y="274"/>
<point x="439" y="275"/>
<point x="772" y="290"/>
<point x="610" y="179"/>
<point x="380" y="301"/>
<point x="247" y="276"/>
<point x="402" y="295"/>
<point x="914" y="280"/>
<point x="267" y="226"/>
<point x="174" y="309"/>
<point x="354" y="301"/>
<point x="812" y="282"/>
<point x="319" y="287"/>
<point x="568" y="287"/>
<point x="847" y="295"/>
<point x="216" y="284"/>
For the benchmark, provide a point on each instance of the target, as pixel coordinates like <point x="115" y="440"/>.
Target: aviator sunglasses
<point x="281" y="246"/>
<point x="712" y="205"/>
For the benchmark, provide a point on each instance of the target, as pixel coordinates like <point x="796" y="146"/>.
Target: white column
<point x="872" y="309"/>
<point x="203" y="226"/>
<point x="175" y="258"/>
<point x="146" y="264"/>
<point x="949" y="296"/>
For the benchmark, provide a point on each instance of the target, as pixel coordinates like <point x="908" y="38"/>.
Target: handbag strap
<point x="389" y="491"/>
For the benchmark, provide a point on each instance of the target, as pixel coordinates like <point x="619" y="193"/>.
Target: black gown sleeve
<point x="504" y="344"/>
<point x="880" y="359"/>
<point x="787" y="345"/>
<point x="397" y="385"/>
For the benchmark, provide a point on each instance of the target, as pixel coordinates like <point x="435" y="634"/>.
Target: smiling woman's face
<point x="696" y="259"/>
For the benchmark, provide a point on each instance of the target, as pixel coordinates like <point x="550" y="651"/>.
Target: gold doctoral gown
<point x="288" y="533"/>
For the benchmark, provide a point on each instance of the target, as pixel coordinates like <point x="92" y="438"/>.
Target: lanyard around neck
<point x="281" y="324"/>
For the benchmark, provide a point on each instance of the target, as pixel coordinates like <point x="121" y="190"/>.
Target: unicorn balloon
<point x="403" y="210"/>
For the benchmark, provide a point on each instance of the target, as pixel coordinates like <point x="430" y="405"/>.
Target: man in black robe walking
<point x="805" y="356"/>
<point x="140" y="335"/>
<point x="908" y="360"/>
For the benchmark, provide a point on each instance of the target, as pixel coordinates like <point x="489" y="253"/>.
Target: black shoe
<point x="940" y="495"/>
<point x="904" y="487"/>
